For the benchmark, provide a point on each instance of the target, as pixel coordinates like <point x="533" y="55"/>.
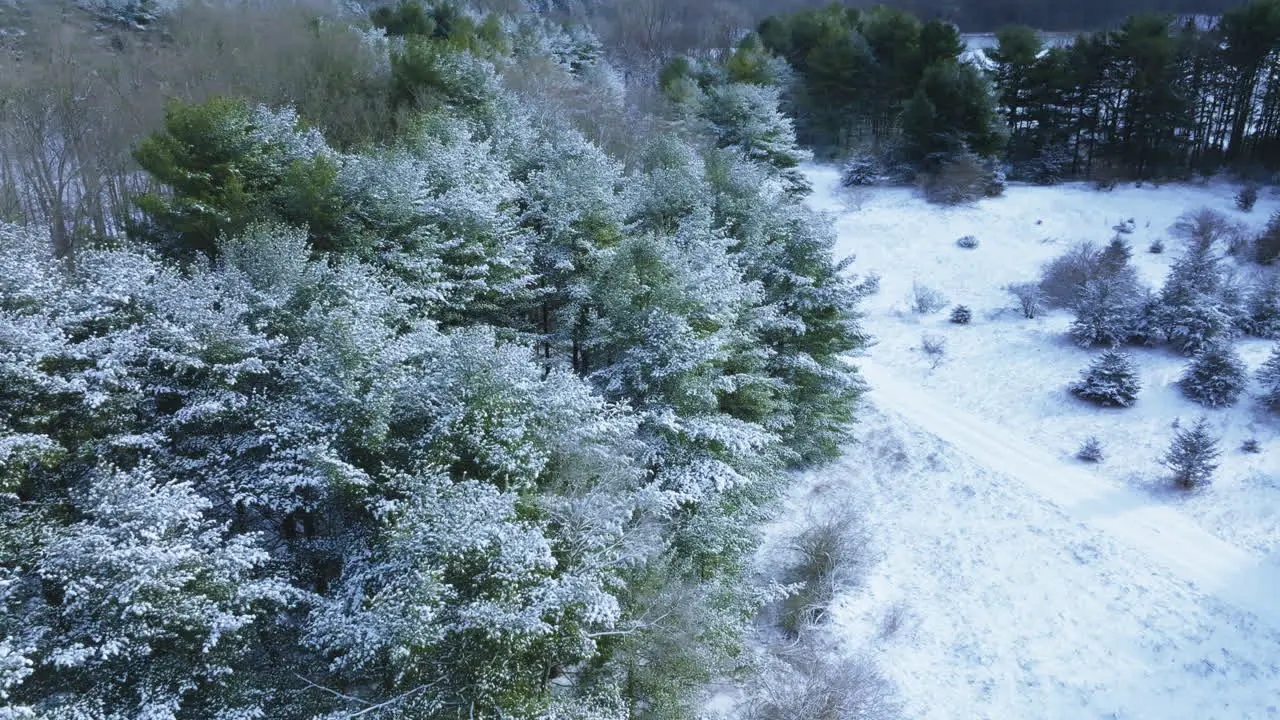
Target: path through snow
<point x="1165" y="536"/>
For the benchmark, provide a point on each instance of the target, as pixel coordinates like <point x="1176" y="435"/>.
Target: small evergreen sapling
<point x="1269" y="378"/>
<point x="1215" y="377"/>
<point x="961" y="315"/>
<point x="1251" y="446"/>
<point x="1090" y="450"/>
<point x="1110" y="381"/>
<point x="1192" y="454"/>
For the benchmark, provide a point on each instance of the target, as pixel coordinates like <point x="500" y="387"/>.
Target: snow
<point x="1037" y="586"/>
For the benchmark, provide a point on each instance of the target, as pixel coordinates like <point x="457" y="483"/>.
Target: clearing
<point x="1029" y="583"/>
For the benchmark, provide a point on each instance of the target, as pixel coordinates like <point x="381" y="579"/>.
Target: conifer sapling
<point x="1192" y="454"/>
<point x="1110" y="381"/>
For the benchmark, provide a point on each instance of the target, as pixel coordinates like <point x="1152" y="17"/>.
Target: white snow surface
<point x="1033" y="585"/>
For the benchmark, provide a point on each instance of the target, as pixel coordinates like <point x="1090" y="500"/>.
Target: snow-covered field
<point x="1037" y="586"/>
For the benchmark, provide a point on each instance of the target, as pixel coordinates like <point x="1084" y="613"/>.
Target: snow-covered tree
<point x="1105" y="308"/>
<point x="1262" y="309"/>
<point x="1192" y="455"/>
<point x="1110" y="380"/>
<point x="1215" y="377"/>
<point x="748" y="118"/>
<point x="1191" y="313"/>
<point x="1269" y="379"/>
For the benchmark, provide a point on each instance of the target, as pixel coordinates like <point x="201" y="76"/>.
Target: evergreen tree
<point x="1191" y="313"/>
<point x="1192" y="454"/>
<point x="1262" y="309"/>
<point x="1106" y="309"/>
<point x="1111" y="380"/>
<point x="1215" y="377"/>
<point x="1269" y="379"/>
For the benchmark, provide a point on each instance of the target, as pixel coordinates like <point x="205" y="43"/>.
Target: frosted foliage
<point x="749" y="119"/>
<point x="449" y="204"/>
<point x="282" y="133"/>
<point x="147" y="574"/>
<point x="454" y="565"/>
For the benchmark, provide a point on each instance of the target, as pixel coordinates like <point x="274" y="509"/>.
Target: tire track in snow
<point x="1165" y="536"/>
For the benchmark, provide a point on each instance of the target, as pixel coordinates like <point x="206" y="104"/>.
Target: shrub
<point x="1111" y="381"/>
<point x="1266" y="247"/>
<point x="813" y="685"/>
<point x="963" y="178"/>
<point x="1124" y="227"/>
<point x="1215" y="377"/>
<point x="1090" y="450"/>
<point x="1031" y="300"/>
<point x="1156" y="247"/>
<point x="925" y="300"/>
<point x="1269" y="379"/>
<point x="1062" y="278"/>
<point x="1203" y="228"/>
<point x="829" y="555"/>
<point x="1247" y="197"/>
<point x="968" y="242"/>
<point x="869" y="285"/>
<point x="961" y="315"/>
<point x="1251" y="446"/>
<point x="934" y="348"/>
<point x="1191" y="455"/>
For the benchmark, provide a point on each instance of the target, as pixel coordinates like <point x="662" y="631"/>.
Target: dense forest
<point x="1154" y="98"/>
<point x="395" y="366"/>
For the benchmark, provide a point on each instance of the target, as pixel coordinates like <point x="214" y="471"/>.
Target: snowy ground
<point x="1037" y="586"/>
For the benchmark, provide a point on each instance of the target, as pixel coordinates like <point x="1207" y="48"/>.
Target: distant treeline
<point x="1156" y="97"/>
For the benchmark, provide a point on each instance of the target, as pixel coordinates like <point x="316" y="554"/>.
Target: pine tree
<point x="1215" y="377"/>
<point x="1192" y="454"/>
<point x="1105" y="308"/>
<point x="1191" y="313"/>
<point x="1269" y="378"/>
<point x="1111" y="381"/>
<point x="1261" y="313"/>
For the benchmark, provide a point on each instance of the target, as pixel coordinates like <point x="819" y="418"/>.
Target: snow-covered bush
<point x="1111" y="380"/>
<point x="925" y="300"/>
<point x="831" y="554"/>
<point x="1192" y="455"/>
<point x="1062" y="278"/>
<point x="1090" y="450"/>
<point x="1266" y="246"/>
<point x="1215" y="377"/>
<point x="961" y="315"/>
<point x="968" y="242"/>
<point x="811" y="684"/>
<point x="934" y="348"/>
<point x="1156" y="247"/>
<point x="1203" y="228"/>
<point x="961" y="179"/>
<point x="1250" y="446"/>
<point x="1269" y="379"/>
<point x="1031" y="299"/>
<point x="1247" y="197"/>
